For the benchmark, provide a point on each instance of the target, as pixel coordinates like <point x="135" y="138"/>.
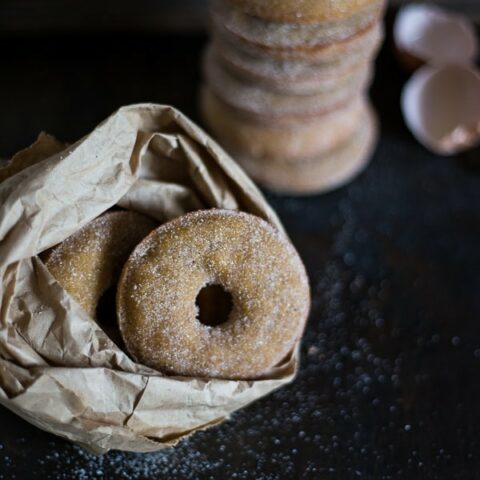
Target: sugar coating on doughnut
<point x="250" y="259"/>
<point x="290" y="35"/>
<point x="88" y="262"/>
<point x="368" y="38"/>
<point x="281" y="80"/>
<point x="271" y="140"/>
<point x="290" y="75"/>
<point x="301" y="11"/>
<point x="319" y="173"/>
<point x="255" y="98"/>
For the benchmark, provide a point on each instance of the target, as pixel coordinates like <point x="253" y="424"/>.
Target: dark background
<point x="389" y="383"/>
<point x="153" y="16"/>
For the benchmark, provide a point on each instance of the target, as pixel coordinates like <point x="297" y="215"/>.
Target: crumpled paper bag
<point x="58" y="369"/>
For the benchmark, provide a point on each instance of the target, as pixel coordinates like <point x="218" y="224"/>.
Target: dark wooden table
<point x="389" y="384"/>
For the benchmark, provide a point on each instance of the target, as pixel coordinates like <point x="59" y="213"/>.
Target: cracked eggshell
<point x="441" y="107"/>
<point x="428" y="34"/>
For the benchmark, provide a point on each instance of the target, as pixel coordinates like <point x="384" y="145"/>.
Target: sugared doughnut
<point x="320" y="173"/>
<point x="288" y="142"/>
<point x="258" y="100"/>
<point x="242" y="255"/>
<point x="290" y="76"/>
<point x="302" y="11"/>
<point x="289" y="35"/>
<point x="89" y="262"/>
<point x="366" y="39"/>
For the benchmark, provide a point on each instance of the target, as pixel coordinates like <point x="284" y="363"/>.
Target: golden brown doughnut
<point x="290" y="75"/>
<point x="302" y="11"/>
<point x="307" y="137"/>
<point x="367" y="39"/>
<point x="291" y="35"/>
<point x="320" y="173"/>
<point x="89" y="262"/>
<point x="249" y="259"/>
<point x="258" y="100"/>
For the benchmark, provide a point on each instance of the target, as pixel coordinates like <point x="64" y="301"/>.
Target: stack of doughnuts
<point x="285" y="88"/>
<point x="213" y="293"/>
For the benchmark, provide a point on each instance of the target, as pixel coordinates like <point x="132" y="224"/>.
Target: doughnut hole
<point x="214" y="305"/>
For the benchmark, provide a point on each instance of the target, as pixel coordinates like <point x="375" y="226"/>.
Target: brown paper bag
<point x="58" y="369"/>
